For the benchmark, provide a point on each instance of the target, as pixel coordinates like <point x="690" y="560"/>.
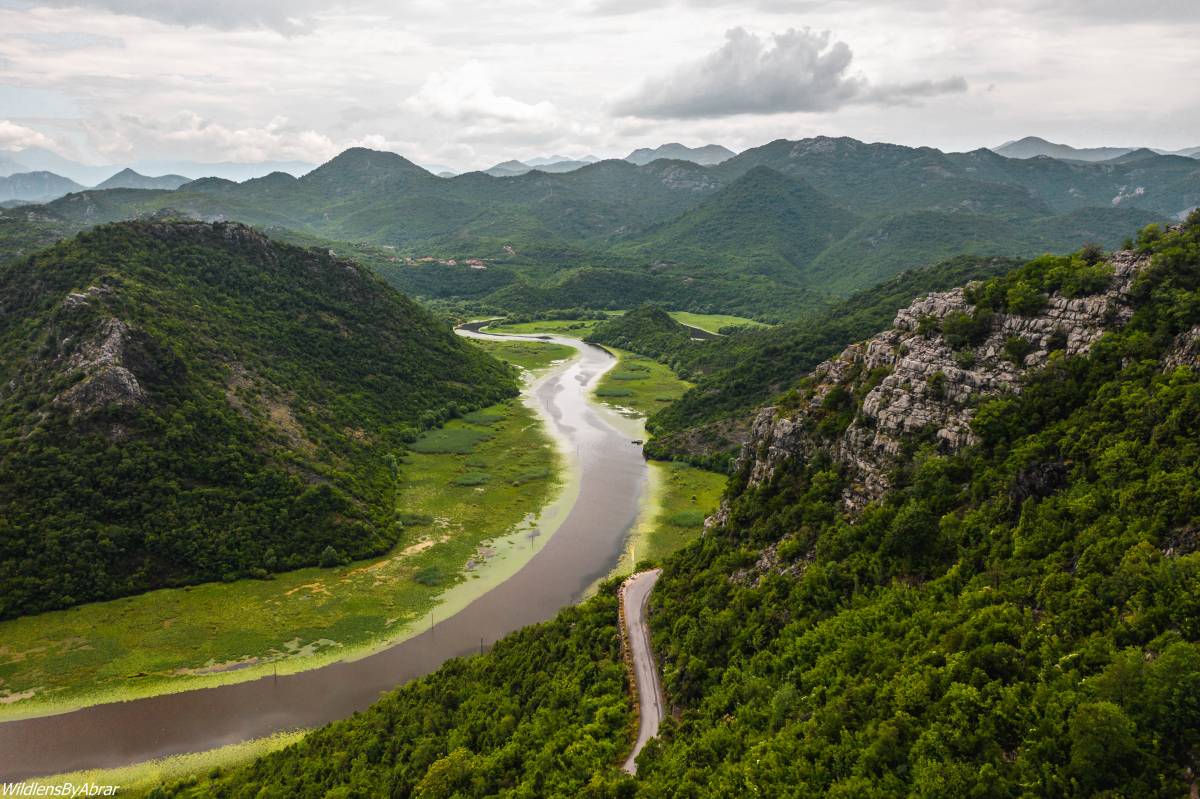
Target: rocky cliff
<point x="922" y="379"/>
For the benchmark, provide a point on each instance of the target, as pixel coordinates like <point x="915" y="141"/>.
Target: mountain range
<point x="776" y="230"/>
<point x="1033" y="146"/>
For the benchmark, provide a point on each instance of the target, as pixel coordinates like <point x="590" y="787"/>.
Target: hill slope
<point x="184" y="402"/>
<point x="763" y="222"/>
<point x="128" y="179"/>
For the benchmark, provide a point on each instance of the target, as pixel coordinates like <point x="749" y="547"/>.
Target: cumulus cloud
<point x="207" y="140"/>
<point x="288" y="17"/>
<point x="467" y="95"/>
<point x="797" y="70"/>
<point x="19" y="137"/>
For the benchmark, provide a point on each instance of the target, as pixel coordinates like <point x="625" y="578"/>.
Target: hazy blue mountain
<point x="129" y="179"/>
<point x="546" y="160"/>
<point x="1033" y="146"/>
<point x="507" y="169"/>
<point x="707" y="155"/>
<point x="230" y="170"/>
<point x="35" y="186"/>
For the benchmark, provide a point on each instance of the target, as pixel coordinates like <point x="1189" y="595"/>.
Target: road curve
<point x="635" y="594"/>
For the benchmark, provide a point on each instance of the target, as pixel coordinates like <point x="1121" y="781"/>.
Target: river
<point x="611" y="478"/>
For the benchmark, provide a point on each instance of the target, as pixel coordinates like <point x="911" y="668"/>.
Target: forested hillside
<point x="1012" y="612"/>
<point x="182" y="402"/>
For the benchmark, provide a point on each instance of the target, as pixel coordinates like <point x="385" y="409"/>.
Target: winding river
<point x="611" y="478"/>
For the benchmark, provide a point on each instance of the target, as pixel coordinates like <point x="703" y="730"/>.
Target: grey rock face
<point x="919" y="384"/>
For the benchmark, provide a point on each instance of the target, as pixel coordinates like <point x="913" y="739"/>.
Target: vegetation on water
<point x="531" y="355"/>
<point x="639" y="384"/>
<point x="182" y="638"/>
<point x="1018" y="618"/>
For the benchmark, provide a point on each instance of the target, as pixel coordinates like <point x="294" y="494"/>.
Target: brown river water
<point x="612" y="477"/>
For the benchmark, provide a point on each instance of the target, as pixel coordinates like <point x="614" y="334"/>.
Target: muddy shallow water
<point x="611" y="478"/>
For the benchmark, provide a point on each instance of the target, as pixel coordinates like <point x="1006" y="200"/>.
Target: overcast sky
<point x="469" y="84"/>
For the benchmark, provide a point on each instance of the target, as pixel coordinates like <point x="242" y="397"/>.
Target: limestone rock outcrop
<point x="910" y="381"/>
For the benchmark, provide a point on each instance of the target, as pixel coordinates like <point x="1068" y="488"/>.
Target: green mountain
<point x="186" y="402"/>
<point x="763" y="222"/>
<point x="1000" y="603"/>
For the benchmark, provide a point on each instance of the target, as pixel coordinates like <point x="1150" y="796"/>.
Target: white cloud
<point x="798" y="70"/>
<point x="206" y="140"/>
<point x="18" y="137"/>
<point x="467" y="95"/>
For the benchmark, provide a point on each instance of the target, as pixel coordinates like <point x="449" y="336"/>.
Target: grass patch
<point x="157" y="642"/>
<point x="450" y="440"/>
<point x="577" y="328"/>
<point x="531" y="355"/>
<point x="713" y="322"/>
<point x="484" y="418"/>
<point x="473" y="479"/>
<point x="686" y="495"/>
<point x="641" y="384"/>
<point x="693" y="517"/>
<point x="433" y="575"/>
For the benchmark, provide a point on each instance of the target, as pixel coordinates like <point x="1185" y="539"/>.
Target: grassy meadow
<point x="712" y="322"/>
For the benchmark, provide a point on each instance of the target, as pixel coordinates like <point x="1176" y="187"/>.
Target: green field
<point x="453" y="499"/>
<point x="577" y="328"/>
<point x="681" y="496"/>
<point x="530" y="355"/>
<point x="639" y="384"/>
<point x="712" y="322"/>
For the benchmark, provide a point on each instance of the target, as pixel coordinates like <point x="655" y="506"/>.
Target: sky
<point x="466" y="85"/>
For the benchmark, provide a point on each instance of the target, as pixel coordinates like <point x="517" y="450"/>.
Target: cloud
<point x="207" y="140"/>
<point x="793" y="71"/>
<point x="467" y="95"/>
<point x="19" y="137"/>
<point x="289" y="17"/>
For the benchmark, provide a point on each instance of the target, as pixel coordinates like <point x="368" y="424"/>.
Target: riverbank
<point x="468" y="509"/>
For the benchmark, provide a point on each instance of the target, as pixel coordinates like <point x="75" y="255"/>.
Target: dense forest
<point x="184" y="402"/>
<point x="1015" y="618"/>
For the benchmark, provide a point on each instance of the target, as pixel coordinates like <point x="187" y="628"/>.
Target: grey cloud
<point x="794" y="71"/>
<point x="289" y="17"/>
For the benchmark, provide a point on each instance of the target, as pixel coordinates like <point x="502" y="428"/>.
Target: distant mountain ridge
<point x="707" y="155"/>
<point x="1034" y="146"/>
<point x="35" y="186"/>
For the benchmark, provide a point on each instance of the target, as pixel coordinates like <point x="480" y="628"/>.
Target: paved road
<point x="636" y="591"/>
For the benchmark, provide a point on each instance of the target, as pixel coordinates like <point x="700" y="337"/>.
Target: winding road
<point x="635" y="595"/>
<point x="584" y="538"/>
